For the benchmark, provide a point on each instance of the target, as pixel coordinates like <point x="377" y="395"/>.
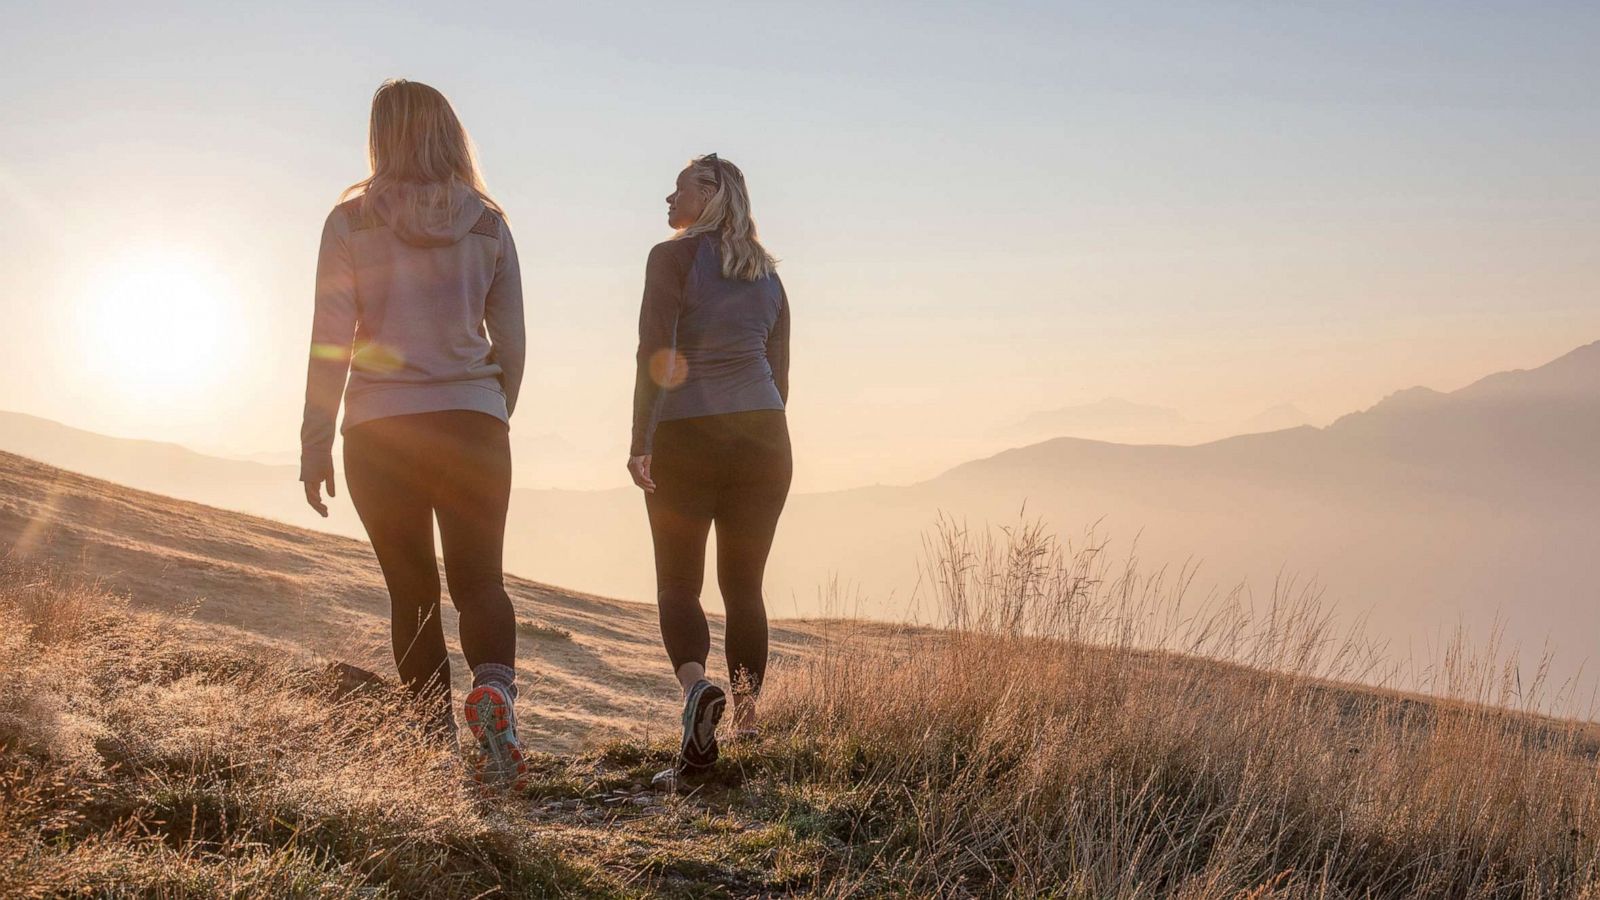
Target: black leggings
<point x="403" y="471"/>
<point x="732" y="470"/>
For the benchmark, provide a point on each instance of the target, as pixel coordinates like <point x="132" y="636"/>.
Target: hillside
<point x="238" y="577"/>
<point x="169" y="727"/>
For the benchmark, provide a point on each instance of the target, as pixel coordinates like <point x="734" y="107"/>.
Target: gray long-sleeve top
<point x="707" y="344"/>
<point x="411" y="317"/>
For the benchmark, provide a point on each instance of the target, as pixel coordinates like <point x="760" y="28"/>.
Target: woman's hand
<point x="639" y="468"/>
<point x="314" y="494"/>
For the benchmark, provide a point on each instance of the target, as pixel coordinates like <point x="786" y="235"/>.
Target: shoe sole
<point x="700" y="718"/>
<point x="499" y="758"/>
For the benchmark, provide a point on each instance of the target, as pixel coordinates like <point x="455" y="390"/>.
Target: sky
<point x="982" y="210"/>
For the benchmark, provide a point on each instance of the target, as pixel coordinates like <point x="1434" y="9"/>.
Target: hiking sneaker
<point x="702" y="710"/>
<point x="494" y="724"/>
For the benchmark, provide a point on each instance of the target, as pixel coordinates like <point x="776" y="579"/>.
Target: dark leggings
<point x="403" y="471"/>
<point x="731" y="470"/>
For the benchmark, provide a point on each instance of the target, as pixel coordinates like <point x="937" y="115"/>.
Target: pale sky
<point x="983" y="210"/>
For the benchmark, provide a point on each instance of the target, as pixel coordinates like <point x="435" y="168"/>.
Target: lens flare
<point x="668" y="368"/>
<point x="332" y="352"/>
<point x="38" y="529"/>
<point x="379" y="359"/>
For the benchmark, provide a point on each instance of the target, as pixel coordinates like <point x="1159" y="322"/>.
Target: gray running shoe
<point x="702" y="710"/>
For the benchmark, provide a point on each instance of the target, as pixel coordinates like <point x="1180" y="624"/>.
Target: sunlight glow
<point x="160" y="321"/>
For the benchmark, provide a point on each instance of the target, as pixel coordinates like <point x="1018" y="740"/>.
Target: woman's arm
<point x="504" y="317"/>
<point x="778" y="347"/>
<point x="665" y="274"/>
<point x="333" y="328"/>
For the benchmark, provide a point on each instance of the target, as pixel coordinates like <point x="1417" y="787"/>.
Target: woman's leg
<point x="680" y="520"/>
<point x="747" y="520"/>
<point x="470" y="496"/>
<point x="680" y="545"/>
<point x="390" y="495"/>
<point x="744" y="538"/>
<point x="470" y="491"/>
<point x="680" y="548"/>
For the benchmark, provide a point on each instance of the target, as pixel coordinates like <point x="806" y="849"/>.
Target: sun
<point x="159" y="320"/>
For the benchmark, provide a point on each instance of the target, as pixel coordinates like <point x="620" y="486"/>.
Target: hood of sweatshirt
<point x="430" y="228"/>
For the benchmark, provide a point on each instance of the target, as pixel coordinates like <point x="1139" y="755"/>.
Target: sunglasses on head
<point x="716" y="168"/>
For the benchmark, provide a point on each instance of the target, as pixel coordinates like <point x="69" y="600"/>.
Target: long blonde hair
<point x="727" y="214"/>
<point x="416" y="145"/>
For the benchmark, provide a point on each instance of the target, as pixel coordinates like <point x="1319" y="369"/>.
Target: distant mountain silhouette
<point x="173" y="470"/>
<point x="1276" y="418"/>
<point x="1427" y="509"/>
<point x="1540" y="425"/>
<point x="1119" y="421"/>
<point x="150" y="465"/>
<point x="1112" y="417"/>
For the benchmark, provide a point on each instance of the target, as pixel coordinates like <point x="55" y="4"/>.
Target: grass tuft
<point x="542" y="630"/>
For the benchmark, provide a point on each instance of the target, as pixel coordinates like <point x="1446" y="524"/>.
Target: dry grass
<point x="1054" y="743"/>
<point x="1080" y="730"/>
<point x="134" y="763"/>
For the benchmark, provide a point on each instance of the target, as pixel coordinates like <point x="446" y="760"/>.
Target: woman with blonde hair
<point x="710" y="438"/>
<point x="418" y="328"/>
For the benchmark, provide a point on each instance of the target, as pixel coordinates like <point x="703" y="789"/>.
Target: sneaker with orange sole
<point x="494" y="723"/>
